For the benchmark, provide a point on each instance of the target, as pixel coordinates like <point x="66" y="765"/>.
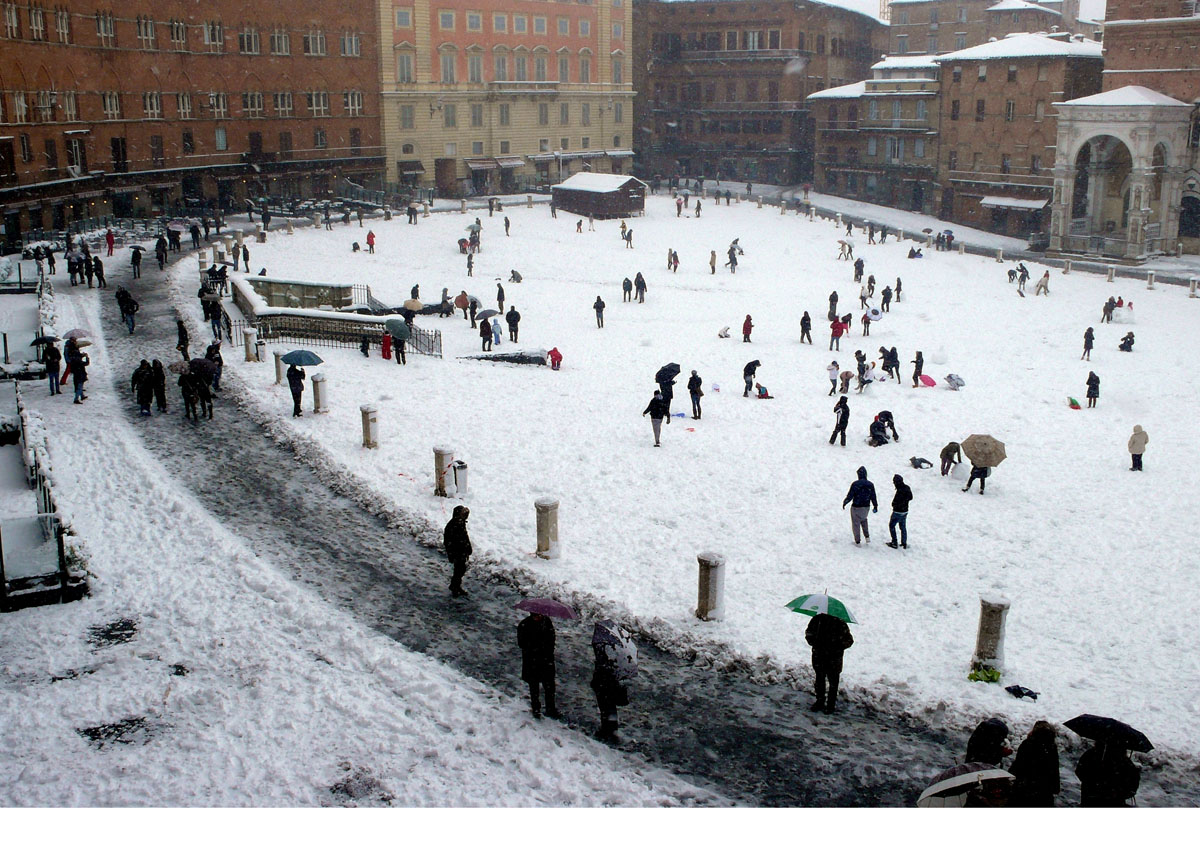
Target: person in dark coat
<point x="500" y="297"/>
<point x="694" y="384"/>
<point x="861" y="496"/>
<point x="204" y="393"/>
<point x="135" y="262"/>
<point x="668" y="393"/>
<point x="187" y="389"/>
<point x="514" y="319"/>
<point x="535" y="638"/>
<point x="748" y="375"/>
<point x="142" y="385"/>
<point x="833" y="301"/>
<point x="986" y="744"/>
<point x="78" y="364"/>
<point x="858" y="269"/>
<point x="458" y="549"/>
<point x="1089" y="337"/>
<point x="213" y="354"/>
<point x="805" y="328"/>
<point x="610" y="692"/>
<point x="886" y="419"/>
<point x="627" y="290"/>
<point x="747" y="329"/>
<point x="485" y="334"/>
<point x="1107" y="777"/>
<point x="1093" y="389"/>
<point x="159" y="378"/>
<point x="829" y="638"/>
<point x="900" y="502"/>
<point x="885" y="303"/>
<point x="980" y="473"/>
<point x="877" y="433"/>
<point x="181" y="338"/>
<point x="951" y="455"/>
<point x="98" y="270"/>
<point x="658" y="410"/>
<point x="639" y="287"/>
<point x="842" y="410"/>
<point x="599" y="307"/>
<point x="918" y="367"/>
<point x="295" y="378"/>
<point x="1126" y="344"/>
<point x="53" y="361"/>
<point x="1035" y="768"/>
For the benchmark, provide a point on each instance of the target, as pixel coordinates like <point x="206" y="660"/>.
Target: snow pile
<point x="1062" y="522"/>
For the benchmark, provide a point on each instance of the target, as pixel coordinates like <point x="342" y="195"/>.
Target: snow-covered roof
<point x="1129" y="95"/>
<point x="1026" y="45"/>
<point x="587" y="181"/>
<point x="1002" y="202"/>
<point x="854" y="89"/>
<point x="867" y="8"/>
<point x="893" y="63"/>
<point x="1020" y="5"/>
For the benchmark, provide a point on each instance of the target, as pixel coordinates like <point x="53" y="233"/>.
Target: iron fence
<point x="333" y="333"/>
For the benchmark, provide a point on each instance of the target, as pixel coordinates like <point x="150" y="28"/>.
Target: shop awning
<point x="994" y="201"/>
<point x="510" y="161"/>
<point x="410" y="166"/>
<point x="619" y="154"/>
<point x="487" y="164"/>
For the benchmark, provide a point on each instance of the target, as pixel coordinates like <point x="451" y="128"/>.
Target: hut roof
<point x="600" y="183"/>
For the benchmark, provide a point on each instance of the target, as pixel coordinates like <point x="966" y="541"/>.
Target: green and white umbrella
<point x="817" y="604"/>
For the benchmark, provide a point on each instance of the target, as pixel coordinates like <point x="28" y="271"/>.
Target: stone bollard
<point x="812" y="212"/>
<point x="759" y="201"/>
<point x="899" y="235"/>
<point x="1112" y="273"/>
<point x="202" y="255"/>
<point x="837" y="219"/>
<point x="442" y="457"/>
<point x="782" y="208"/>
<point x="250" y="340"/>
<point x="1150" y="280"/>
<point x="989" y="643"/>
<point x="1192" y="286"/>
<point x="424" y="209"/>
<point x="370" y="425"/>
<point x="547" y="527"/>
<point x="320" y="394"/>
<point x="279" y="369"/>
<point x="203" y="266"/>
<point x="529" y="201"/>
<point x="460" y="476"/>
<point x="317" y="221"/>
<point x="962" y="249"/>
<point x="710" y="599"/>
<point x="999" y="254"/>
<point x="1179" y="250"/>
<point x="929" y="240"/>
<point x="291" y="230"/>
<point x="462" y="206"/>
<point x="219" y="256"/>
<point x="1066" y="266"/>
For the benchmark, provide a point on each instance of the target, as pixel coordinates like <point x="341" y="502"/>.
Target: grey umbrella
<point x="485" y="314"/>
<point x="302" y="358"/>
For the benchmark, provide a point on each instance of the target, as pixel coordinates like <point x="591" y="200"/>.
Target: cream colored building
<point x="486" y="97"/>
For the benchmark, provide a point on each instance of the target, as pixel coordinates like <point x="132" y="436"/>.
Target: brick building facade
<point x="492" y="95"/>
<point x="722" y="84"/>
<point x="127" y="110"/>
<point x="941" y="26"/>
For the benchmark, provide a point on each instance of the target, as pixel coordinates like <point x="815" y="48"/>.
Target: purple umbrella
<point x="546" y="606"/>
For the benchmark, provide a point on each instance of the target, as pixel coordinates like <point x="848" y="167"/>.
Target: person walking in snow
<point x="918" y="367"/>
<point x="899" y="285"/>
<point x="213" y="354"/>
<point x="639" y="287"/>
<point x="951" y="455"/>
<point x="863" y="298"/>
<point x="458" y="549"/>
<point x="1043" y="285"/>
<point x="861" y="498"/>
<point x="842" y="410"/>
<point x="158" y="381"/>
<point x="694" y="384"/>
<point x="1093" y="389"/>
<point x="187" y="390"/>
<point x="535" y="638"/>
<point x="674" y="261"/>
<point x="1137" y="445"/>
<point x="204" y="393"/>
<point x="495" y="331"/>
<point x="657" y="410"/>
<point x="1035" y="768"/>
<point x="747" y="328"/>
<point x="858" y="269"/>
<point x="833" y="302"/>
<point x="834" y="369"/>
<point x="485" y="334"/>
<point x="52" y="359"/>
<point x="805" y="328"/>
<point x="1088" y="338"/>
<point x="98" y="270"/>
<point x="836" y="330"/>
<point x="885" y="302"/>
<point x="610" y="692"/>
<point x="866" y="324"/>
<point x="670" y="253"/>
<point x="980" y="473"/>
<point x="599" y="307"/>
<point x="830" y="638"/>
<point x="295" y="379"/>
<point x="181" y="335"/>
<point x="142" y="385"/>
<point x="507" y="224"/>
<point x="513" y="319"/>
<point x="712" y="262"/>
<point x="370" y="241"/>
<point x="899" y="517"/>
<point x="627" y="290"/>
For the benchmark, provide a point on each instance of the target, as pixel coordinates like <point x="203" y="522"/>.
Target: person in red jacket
<point x="370" y="241"/>
<point x="747" y="326"/>
<point x="110" y="240"/>
<point x="836" y="329"/>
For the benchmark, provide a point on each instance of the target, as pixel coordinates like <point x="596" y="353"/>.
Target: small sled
<point x="1074" y="404"/>
<point x="926" y="380"/>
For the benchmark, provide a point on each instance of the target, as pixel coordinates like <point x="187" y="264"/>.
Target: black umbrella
<point x="667" y="373"/>
<point x="1109" y="731"/>
<point x="41" y="340"/>
<point x="203" y="367"/>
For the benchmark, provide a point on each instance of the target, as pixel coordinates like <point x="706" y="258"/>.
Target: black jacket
<point x="513" y="317"/>
<point x="53" y="358"/>
<point x="862" y="491"/>
<point x="1106" y="778"/>
<point x="598" y="305"/>
<point x="1036" y="771"/>
<point x="456" y="540"/>
<point x="535" y="638"/>
<point x="829" y="636"/>
<point x="843" y="415"/>
<point x="751" y="368"/>
<point x="694" y="383"/>
<point x="986" y="744"/>
<point x="903" y="495"/>
<point x="805" y="323"/>
<point x="295" y="378"/>
<point x="657" y="407"/>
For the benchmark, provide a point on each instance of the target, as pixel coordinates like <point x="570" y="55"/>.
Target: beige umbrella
<point x="414" y="304"/>
<point x="984" y="451"/>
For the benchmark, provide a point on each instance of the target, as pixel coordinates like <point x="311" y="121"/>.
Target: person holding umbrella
<point x="829" y="637"/>
<point x="458" y="549"/>
<point x="485" y="335"/>
<point x="535" y="638"/>
<point x="615" y="659"/>
<point x="1107" y="776"/>
<point x="295" y="378"/>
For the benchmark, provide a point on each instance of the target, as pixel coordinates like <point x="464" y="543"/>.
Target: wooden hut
<point x="601" y="195"/>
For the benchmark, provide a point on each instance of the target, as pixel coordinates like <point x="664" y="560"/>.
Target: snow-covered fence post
<point x="1192" y="286"/>
<point x="989" y="643"/>
<point x="529" y="201"/>
<point x="1066" y="266"/>
<point x="547" y="527"/>
<point x="279" y="370"/>
<point x="999" y="254"/>
<point x="962" y="249"/>
<point x="710" y="599"/>
<point x="1150" y="280"/>
<point x="320" y="394"/>
<point x="1179" y="250"/>
<point x="260" y="235"/>
<point x="442" y="457"/>
<point x="929" y="239"/>
<point x="425" y="209"/>
<point x="249" y="340"/>
<point x="837" y="219"/>
<point x="202" y="265"/>
<point x="1112" y="273"/>
<point x="291" y="230"/>
<point x="782" y="206"/>
<point x="899" y="235"/>
<point x="462" y="206"/>
<point x="370" y="425"/>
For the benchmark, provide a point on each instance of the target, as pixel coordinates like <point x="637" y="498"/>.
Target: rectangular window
<point x="120" y="154"/>
<point x="77" y="153"/>
<point x="539" y="68"/>
<point x="960" y="41"/>
<point x="220" y="140"/>
<point x="931" y="44"/>
<point x="318" y="103"/>
<point x="505" y="115"/>
<point x="872" y="146"/>
<point x="543" y="114"/>
<point x="187" y="143"/>
<point x="352" y="103"/>
<point x="404" y="18"/>
<point x="585" y="142"/>
<point x="922" y="110"/>
<point x="1012" y="73"/>
<point x="214" y="37"/>
<point x="1043" y="72"/>
<point x="564" y="26"/>
<point x="477" y="114"/>
<point x="178" y="34"/>
<point x="499" y="22"/>
<point x="474" y="22"/>
<point x="110" y="101"/>
<point x="351" y="44"/>
<point x="564" y="114"/>
<point x="407" y="117"/>
<point x="404" y="67"/>
<point x="1039" y="111"/>
<point x="774" y="39"/>
<point x="145" y="33"/>
<point x="953" y="160"/>
<point x="520" y="24"/>
<point x="152" y="104"/>
<point x="62" y="25"/>
<point x="1010" y="110"/>
<point x="616" y="141"/>
<point x="564" y="143"/>
<point x="901" y="43"/>
<point x="474" y="67"/>
<point x="501" y="63"/>
<point x="476" y="148"/>
<point x="980" y="110"/>
<point x="281" y="42"/>
<point x="585" y="69"/>
<point x="319" y="140"/>
<point x="449" y="116"/>
<point x="51" y="148"/>
<point x="539" y="26"/>
<point x="919" y="148"/>
<point x="897" y="110"/>
<point x="962" y="14"/>
<point x="45" y="105"/>
<point x="954" y="110"/>
<point x="451" y="148"/>
<point x="522" y="68"/>
<point x="585" y="114"/>
<point x="183" y="105"/>
<point x="70" y="104"/>
<point x="106" y="30"/>
<point x="543" y="145"/>
<point x="1035" y="164"/>
<point x="355" y="142"/>
<point x="873" y="110"/>
<point x="1005" y="163"/>
<point x="446" y="20"/>
<point x="448" y="68"/>
<point x="219" y="103"/>
<point x="618" y="32"/>
<point x="283" y="103"/>
<point x="504" y="147"/>
<point x="982" y="72"/>
<point x="902" y="18"/>
<point x="618" y="113"/>
<point x="933" y="15"/>
<point x="285" y="145"/>
<point x="731" y="39"/>
<point x="26" y="148"/>
<point x="313" y="43"/>
<point x="585" y="29"/>
<point x="618" y="70"/>
<point x="249" y="41"/>
<point x="156" y="150"/>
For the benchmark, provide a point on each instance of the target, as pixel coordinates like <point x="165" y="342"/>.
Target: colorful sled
<point x="926" y="380"/>
<point x="1074" y="404"/>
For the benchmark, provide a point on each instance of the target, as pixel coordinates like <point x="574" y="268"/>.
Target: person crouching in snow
<point x="878" y="433"/>
<point x="761" y="392"/>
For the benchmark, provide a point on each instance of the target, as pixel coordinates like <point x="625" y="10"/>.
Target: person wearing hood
<point x="747" y="329"/>
<point x="1089" y="338"/>
<point x="513" y="318"/>
<point x="213" y="354"/>
<point x="805" y="328"/>
<point x="829" y="638"/>
<point x="885" y="301"/>
<point x="627" y="290"/>
<point x="1093" y="389"/>
<point x="658" y="410"/>
<point x="694" y="384"/>
<point x="295" y="379"/>
<point x="900" y="502"/>
<point x="1107" y="777"/>
<point x="53" y="361"/>
<point x="496" y="331"/>
<point x="842" y="410"/>
<point x="1035" y="768"/>
<point x="159" y="378"/>
<point x="877" y="436"/>
<point x="458" y="549"/>
<point x="142" y="384"/>
<point x="599" y="307"/>
<point x="886" y="419"/>
<point x="182" y="338"/>
<point x="1126" y="344"/>
<point x="555" y="359"/>
<point x="861" y="498"/>
<point x="987" y="743"/>
<point x="485" y="334"/>
<point x="1137" y="445"/>
<point x="535" y="638"/>
<point x="748" y="375"/>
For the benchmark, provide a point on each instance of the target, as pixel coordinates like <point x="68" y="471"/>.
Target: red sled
<point x="1074" y="404"/>
<point x="926" y="380"/>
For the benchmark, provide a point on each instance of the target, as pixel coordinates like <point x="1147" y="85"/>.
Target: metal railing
<point x="332" y="333"/>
